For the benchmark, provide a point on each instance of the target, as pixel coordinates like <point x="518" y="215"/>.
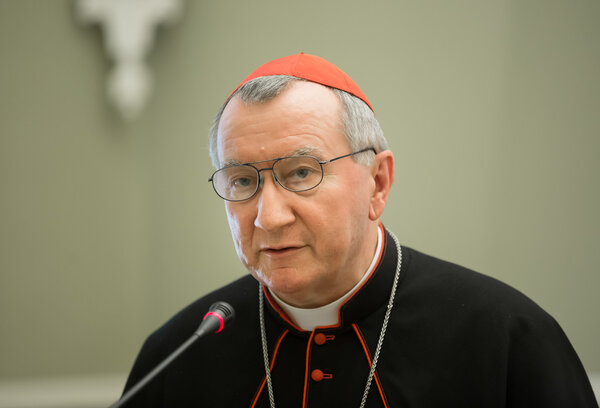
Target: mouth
<point x="280" y="250"/>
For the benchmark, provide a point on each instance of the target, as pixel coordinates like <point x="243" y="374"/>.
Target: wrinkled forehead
<point x="312" y="151"/>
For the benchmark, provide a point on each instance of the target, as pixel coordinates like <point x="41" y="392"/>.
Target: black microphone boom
<point x="219" y="314"/>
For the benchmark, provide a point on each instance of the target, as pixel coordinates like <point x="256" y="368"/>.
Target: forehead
<point x="305" y="116"/>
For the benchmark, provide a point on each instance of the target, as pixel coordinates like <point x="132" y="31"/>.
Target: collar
<point x="366" y="297"/>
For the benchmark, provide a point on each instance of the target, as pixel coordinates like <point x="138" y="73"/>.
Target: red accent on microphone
<point x="218" y="317"/>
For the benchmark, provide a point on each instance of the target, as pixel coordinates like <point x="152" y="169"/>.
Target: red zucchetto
<point x="310" y="68"/>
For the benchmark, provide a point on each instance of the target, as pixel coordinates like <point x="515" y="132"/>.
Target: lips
<point x="280" y="250"/>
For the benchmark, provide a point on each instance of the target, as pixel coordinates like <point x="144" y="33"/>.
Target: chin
<point x="285" y="282"/>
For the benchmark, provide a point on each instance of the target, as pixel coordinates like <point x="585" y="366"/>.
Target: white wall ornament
<point x="129" y="31"/>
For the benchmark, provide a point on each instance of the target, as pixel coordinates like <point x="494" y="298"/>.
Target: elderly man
<point x="336" y="313"/>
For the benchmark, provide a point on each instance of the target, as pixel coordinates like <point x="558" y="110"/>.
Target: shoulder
<point x="458" y="301"/>
<point x="486" y="325"/>
<point x="454" y="286"/>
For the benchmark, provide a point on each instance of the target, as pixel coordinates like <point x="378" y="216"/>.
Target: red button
<point x="317" y="375"/>
<point x="320" y="339"/>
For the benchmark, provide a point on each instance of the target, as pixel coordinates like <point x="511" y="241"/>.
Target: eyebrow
<point x="306" y="151"/>
<point x="302" y="151"/>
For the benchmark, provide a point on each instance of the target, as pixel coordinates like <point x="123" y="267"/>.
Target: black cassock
<point x="455" y="338"/>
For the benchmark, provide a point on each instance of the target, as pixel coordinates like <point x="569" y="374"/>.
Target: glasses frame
<point x="260" y="179"/>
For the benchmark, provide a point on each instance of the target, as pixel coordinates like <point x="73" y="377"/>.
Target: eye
<point x="302" y="173"/>
<point x="298" y="173"/>
<point x="241" y="181"/>
<point x="237" y="178"/>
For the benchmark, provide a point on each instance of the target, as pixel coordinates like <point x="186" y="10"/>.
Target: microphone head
<point x="219" y="314"/>
<point x="223" y="309"/>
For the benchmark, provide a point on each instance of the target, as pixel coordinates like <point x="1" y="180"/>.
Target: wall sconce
<point x="129" y="28"/>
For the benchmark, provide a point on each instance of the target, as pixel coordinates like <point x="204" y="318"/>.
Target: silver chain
<point x="385" y="322"/>
<point x="263" y="337"/>
<point x="263" y="332"/>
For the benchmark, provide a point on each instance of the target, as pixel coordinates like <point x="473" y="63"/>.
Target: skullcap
<point x="310" y="68"/>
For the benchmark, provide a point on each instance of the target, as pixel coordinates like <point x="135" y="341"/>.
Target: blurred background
<point x="108" y="227"/>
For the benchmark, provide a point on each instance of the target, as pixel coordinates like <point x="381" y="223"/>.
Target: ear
<point x="382" y="171"/>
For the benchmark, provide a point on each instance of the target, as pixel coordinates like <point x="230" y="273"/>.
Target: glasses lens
<point x="236" y="183"/>
<point x="298" y="173"/>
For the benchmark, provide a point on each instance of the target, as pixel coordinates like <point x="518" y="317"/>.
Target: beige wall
<point x="107" y="228"/>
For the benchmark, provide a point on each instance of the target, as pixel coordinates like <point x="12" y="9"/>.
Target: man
<point x="336" y="313"/>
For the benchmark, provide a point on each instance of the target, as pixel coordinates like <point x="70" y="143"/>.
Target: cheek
<point x="347" y="217"/>
<point x="241" y="226"/>
<point x="235" y="226"/>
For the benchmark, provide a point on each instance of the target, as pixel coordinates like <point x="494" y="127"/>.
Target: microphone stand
<point x="213" y="321"/>
<point x="150" y="376"/>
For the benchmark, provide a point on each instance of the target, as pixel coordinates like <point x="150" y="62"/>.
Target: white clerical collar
<point x="308" y="319"/>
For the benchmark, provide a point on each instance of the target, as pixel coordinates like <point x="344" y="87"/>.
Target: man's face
<point x="310" y="247"/>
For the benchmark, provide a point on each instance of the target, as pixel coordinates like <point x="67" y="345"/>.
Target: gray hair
<point x="361" y="128"/>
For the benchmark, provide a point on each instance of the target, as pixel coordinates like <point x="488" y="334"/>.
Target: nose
<point x="274" y="210"/>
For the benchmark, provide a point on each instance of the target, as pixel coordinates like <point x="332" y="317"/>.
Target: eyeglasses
<point x="294" y="173"/>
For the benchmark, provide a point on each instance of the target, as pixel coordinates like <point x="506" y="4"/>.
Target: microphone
<point x="215" y="319"/>
<point x="218" y="315"/>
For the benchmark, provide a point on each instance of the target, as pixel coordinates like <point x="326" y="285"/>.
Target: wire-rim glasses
<point x="240" y="182"/>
